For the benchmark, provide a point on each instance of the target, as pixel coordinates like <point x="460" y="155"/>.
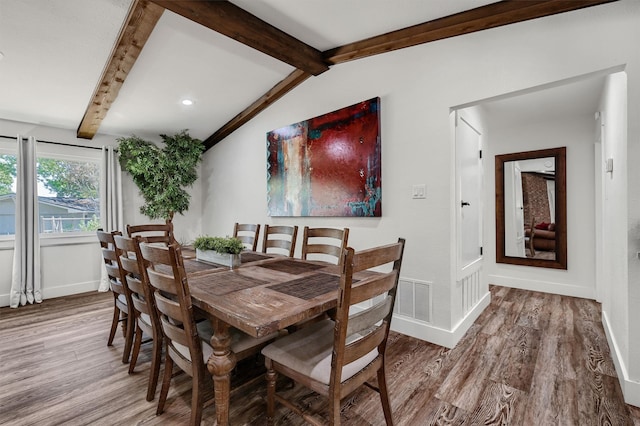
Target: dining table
<point x="264" y="295"/>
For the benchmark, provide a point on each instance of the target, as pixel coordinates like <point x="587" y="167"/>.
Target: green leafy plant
<point x="90" y="225"/>
<point x="162" y="175"/>
<point x="223" y="245"/>
<point x="7" y="173"/>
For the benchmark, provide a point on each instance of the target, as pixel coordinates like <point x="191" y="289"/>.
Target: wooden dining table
<point x="264" y="295"/>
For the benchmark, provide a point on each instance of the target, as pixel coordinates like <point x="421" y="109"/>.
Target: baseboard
<point x="632" y="393"/>
<point x="630" y="388"/>
<point x="439" y="336"/>
<point x="59" y="291"/>
<point x="67" y="290"/>
<point x="544" y="286"/>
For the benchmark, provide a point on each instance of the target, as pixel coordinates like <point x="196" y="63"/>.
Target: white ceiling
<point x="55" y="50"/>
<point x="575" y="98"/>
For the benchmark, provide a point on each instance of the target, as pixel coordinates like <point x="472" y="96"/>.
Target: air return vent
<point x="414" y="299"/>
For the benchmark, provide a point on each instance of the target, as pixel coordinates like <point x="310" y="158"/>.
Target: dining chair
<point x="187" y="343"/>
<point x="145" y="312"/>
<point x="276" y="239"/>
<point x="324" y="243"/>
<point x="153" y="232"/>
<point x="336" y="358"/>
<point x="248" y="234"/>
<point x="122" y="304"/>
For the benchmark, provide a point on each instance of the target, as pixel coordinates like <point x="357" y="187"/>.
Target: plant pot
<point x="225" y="259"/>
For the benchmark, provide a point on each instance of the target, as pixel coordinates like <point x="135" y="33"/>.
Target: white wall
<point x="620" y="301"/>
<point x="578" y="136"/>
<point x="417" y="87"/>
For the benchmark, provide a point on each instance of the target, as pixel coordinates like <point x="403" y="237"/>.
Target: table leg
<point x="220" y="364"/>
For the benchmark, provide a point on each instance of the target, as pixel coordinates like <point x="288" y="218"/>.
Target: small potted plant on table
<point x="220" y="250"/>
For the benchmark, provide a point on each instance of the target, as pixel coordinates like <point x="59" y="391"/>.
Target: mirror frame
<point x="559" y="155"/>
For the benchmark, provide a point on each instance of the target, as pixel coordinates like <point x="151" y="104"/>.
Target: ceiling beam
<point x="279" y="90"/>
<point x="481" y="18"/>
<point x="137" y="27"/>
<point x="232" y="21"/>
<point x="478" y="19"/>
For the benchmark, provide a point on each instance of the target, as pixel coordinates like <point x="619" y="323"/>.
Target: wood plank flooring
<point x="530" y="359"/>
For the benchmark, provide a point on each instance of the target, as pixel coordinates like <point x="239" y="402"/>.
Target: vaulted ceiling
<point x="122" y="67"/>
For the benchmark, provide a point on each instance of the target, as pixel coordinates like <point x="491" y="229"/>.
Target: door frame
<point x="462" y="271"/>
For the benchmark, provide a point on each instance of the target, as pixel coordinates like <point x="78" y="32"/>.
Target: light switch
<point x="419" y="191"/>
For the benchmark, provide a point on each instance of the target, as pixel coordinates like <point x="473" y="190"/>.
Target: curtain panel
<point x="26" y="279"/>
<point x="111" y="209"/>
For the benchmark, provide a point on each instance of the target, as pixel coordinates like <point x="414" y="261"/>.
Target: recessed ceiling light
<point x="187" y="102"/>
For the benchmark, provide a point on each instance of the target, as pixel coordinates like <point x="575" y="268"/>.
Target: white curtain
<point x="26" y="280"/>
<point x="111" y="210"/>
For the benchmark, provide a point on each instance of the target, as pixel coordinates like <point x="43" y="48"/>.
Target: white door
<point x="469" y="162"/>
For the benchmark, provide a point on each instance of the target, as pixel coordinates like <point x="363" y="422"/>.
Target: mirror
<point x="531" y="208"/>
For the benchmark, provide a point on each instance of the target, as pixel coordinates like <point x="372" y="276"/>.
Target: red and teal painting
<point x="328" y="165"/>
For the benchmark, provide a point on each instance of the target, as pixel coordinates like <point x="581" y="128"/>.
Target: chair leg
<point x="166" y="382"/>
<point x="334" y="411"/>
<point x="128" y="338"/>
<point x="136" y="349"/>
<point x="384" y="395"/>
<point x="156" y="357"/>
<point x="114" y="324"/>
<point x="271" y="393"/>
<point x="196" y="399"/>
<point x="124" y="319"/>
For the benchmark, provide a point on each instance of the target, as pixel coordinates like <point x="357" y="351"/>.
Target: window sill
<point x="53" y="240"/>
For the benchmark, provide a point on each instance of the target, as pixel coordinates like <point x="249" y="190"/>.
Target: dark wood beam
<point x="232" y="21"/>
<point x="279" y="90"/>
<point x="478" y="19"/>
<point x="137" y="27"/>
<point x="481" y="18"/>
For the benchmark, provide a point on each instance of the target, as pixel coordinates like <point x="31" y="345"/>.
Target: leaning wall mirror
<point x="531" y="208"/>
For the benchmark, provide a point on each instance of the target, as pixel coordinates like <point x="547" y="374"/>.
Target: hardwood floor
<point x="530" y="359"/>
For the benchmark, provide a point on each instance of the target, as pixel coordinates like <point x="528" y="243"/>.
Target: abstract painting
<point x="327" y="165"/>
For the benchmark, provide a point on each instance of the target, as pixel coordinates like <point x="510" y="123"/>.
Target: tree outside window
<point x="7" y="194"/>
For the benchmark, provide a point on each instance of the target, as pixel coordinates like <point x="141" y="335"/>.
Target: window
<point x="68" y="195"/>
<point x="68" y="181"/>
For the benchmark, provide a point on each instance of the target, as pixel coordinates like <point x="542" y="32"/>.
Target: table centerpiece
<point x="221" y="250"/>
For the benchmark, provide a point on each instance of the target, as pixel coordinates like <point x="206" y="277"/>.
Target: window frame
<point x="7" y="147"/>
<point x="58" y="152"/>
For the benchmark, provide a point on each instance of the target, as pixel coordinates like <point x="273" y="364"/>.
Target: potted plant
<point x="220" y="250"/>
<point x="162" y="175"/>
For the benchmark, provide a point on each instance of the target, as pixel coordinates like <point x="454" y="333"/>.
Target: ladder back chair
<point x="324" y="243"/>
<point x="146" y="315"/>
<point x="187" y="343"/>
<point x="122" y="304"/>
<point x="336" y="358"/>
<point x="248" y="234"/>
<point x="277" y="239"/>
<point x="153" y="232"/>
